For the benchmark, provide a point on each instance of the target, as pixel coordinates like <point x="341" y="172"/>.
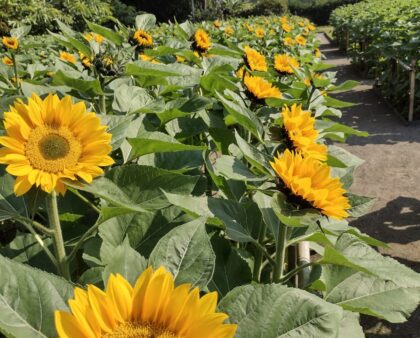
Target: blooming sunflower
<point x="217" y="24"/>
<point x="229" y="30"/>
<point x="259" y="32"/>
<point x="202" y="41"/>
<point x="67" y="57"/>
<point x="143" y="38"/>
<point x="260" y="88"/>
<point x="255" y="60"/>
<point x="86" y="61"/>
<point x="153" y="308"/>
<point x="92" y="36"/>
<point x="309" y="180"/>
<point x="7" y="61"/>
<point x="300" y="40"/>
<point x="50" y="140"/>
<point x="147" y="58"/>
<point x="317" y="53"/>
<point x="10" y="42"/>
<point x="284" y="63"/>
<point x="288" y="41"/>
<point x="300" y="128"/>
<point x="286" y="27"/>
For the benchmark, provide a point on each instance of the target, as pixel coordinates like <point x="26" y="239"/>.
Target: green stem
<point x="84" y="199"/>
<point x="82" y="239"/>
<point x="290" y="274"/>
<point x="259" y="253"/>
<point x="280" y="253"/>
<point x="57" y="236"/>
<point x="16" y="72"/>
<point x="102" y="104"/>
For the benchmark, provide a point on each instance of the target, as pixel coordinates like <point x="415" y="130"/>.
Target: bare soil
<point x="391" y="173"/>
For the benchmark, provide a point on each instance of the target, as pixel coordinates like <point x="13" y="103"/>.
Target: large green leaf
<point x="231" y="269"/>
<point x="351" y="252"/>
<point x="359" y="292"/>
<point x="145" y="21"/>
<point x="106" y="32"/>
<point x="130" y="99"/>
<point x="276" y="311"/>
<point x="28" y="299"/>
<point x="155" y="142"/>
<point x="126" y="261"/>
<point x="187" y="253"/>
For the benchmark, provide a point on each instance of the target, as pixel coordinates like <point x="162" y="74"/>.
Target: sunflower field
<point x="181" y="181"/>
<point x="382" y="38"/>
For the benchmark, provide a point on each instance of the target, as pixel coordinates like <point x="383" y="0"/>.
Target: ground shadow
<point x="397" y="222"/>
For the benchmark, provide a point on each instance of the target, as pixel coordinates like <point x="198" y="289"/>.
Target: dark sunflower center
<point x="136" y="330"/>
<point x="53" y="147"/>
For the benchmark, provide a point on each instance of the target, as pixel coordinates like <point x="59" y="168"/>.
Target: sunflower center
<point x="134" y="330"/>
<point x="52" y="149"/>
<point x="54" y="146"/>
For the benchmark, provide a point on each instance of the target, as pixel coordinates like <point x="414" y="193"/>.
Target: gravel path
<point x="391" y="173"/>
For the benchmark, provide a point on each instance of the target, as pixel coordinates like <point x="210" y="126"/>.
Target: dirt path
<point x="391" y="173"/>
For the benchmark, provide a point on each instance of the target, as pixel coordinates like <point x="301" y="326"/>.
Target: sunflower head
<point x="229" y="30"/>
<point x="93" y="36"/>
<point x="260" y="88"/>
<point x="217" y="24"/>
<point x="309" y="180"/>
<point x="311" y="27"/>
<point x="300" y="40"/>
<point x="255" y="60"/>
<point x="86" y="61"/>
<point x="301" y="134"/>
<point x="286" y="27"/>
<point x="67" y="57"/>
<point x="260" y="32"/>
<point x="288" y="41"/>
<point x="284" y="63"/>
<point x="317" y="53"/>
<point x="142" y="38"/>
<point x="153" y="308"/>
<point x="147" y="58"/>
<point x="7" y="61"/>
<point x="10" y="42"/>
<point x="50" y="140"/>
<point x="202" y="42"/>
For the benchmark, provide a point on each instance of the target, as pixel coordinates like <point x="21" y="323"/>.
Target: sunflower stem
<point x="16" y="72"/>
<point x="57" y="236"/>
<point x="102" y="104"/>
<point x="280" y="253"/>
<point x="258" y="258"/>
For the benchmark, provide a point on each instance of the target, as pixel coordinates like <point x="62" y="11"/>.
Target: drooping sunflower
<point x="255" y="60"/>
<point x="310" y="180"/>
<point x="67" y="57"/>
<point x="50" y="140"/>
<point x="153" y="308"/>
<point x="7" y="61"/>
<point x="86" y="61"/>
<point x="142" y="38"/>
<point x="10" y="42"/>
<point x="300" y="40"/>
<point x="217" y="24"/>
<point x="229" y="30"/>
<point x="284" y="63"/>
<point x="300" y="130"/>
<point x="260" y="88"/>
<point x="202" y="42"/>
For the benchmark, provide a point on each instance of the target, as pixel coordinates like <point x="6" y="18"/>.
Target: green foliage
<point x="381" y="37"/>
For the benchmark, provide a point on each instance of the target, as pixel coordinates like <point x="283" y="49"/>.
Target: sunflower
<point x="154" y="307"/>
<point x="284" y="63"/>
<point x="10" y="42"/>
<point x="143" y="38"/>
<point x="147" y="58"/>
<point x="229" y="30"/>
<point x="7" y="61"/>
<point x="286" y="27"/>
<point x="255" y="60"/>
<point x="311" y="27"/>
<point x="86" y="61"/>
<point x="288" y="41"/>
<point x="202" y="41"/>
<point x="300" y="40"/>
<point x="259" y="32"/>
<point x="300" y="129"/>
<point x="317" y="53"/>
<point x="260" y="88"/>
<point x="92" y="36"/>
<point x="50" y="140"/>
<point x="217" y="24"/>
<point x="67" y="57"/>
<point x="310" y="181"/>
